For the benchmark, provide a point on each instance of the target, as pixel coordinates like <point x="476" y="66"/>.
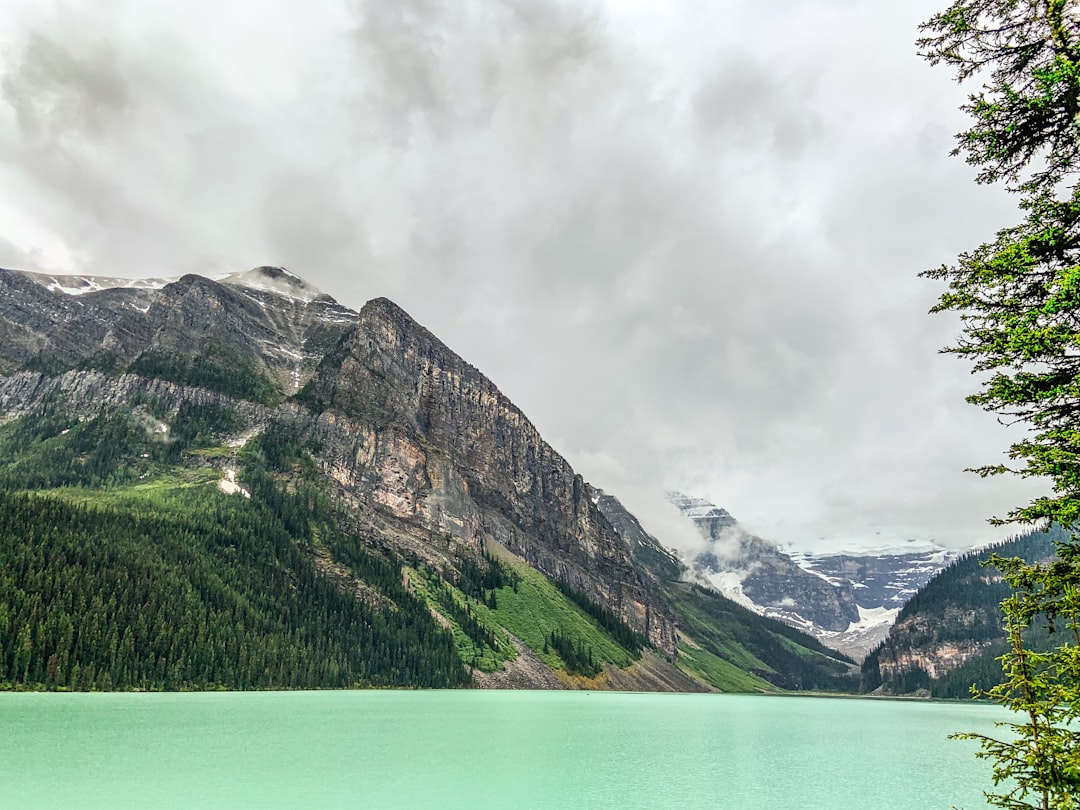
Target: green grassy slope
<point x="527" y="604"/>
<point x="729" y="639"/>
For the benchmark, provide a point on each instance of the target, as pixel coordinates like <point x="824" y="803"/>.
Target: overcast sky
<point x="683" y="237"/>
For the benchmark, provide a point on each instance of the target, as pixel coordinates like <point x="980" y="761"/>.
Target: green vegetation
<point x="722" y="674"/>
<point x="215" y="367"/>
<point x="769" y="653"/>
<point x="612" y="624"/>
<point x="200" y="425"/>
<point x="480" y="641"/>
<point x="52" y="449"/>
<point x="485" y="600"/>
<point x="1017" y="297"/>
<point x="537" y="607"/>
<point x="222" y="597"/>
<point x="161" y="582"/>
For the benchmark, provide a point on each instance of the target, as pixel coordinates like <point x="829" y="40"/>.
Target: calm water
<point x="485" y="750"/>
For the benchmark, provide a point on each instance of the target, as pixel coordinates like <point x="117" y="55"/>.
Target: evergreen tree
<point x="1019" y="299"/>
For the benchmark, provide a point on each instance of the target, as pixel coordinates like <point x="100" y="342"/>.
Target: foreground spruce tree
<point x="1019" y="299"/>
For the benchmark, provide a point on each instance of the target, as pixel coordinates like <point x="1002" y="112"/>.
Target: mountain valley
<point x="393" y="519"/>
<point x="847" y="601"/>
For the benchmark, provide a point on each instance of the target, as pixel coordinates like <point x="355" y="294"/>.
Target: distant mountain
<point x="747" y="568"/>
<point x="847" y="601"/>
<point x="716" y="632"/>
<point x="880" y="580"/>
<point x="239" y="482"/>
<point x="949" y="634"/>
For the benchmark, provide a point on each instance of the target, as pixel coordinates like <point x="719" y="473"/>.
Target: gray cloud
<point x="685" y="249"/>
<point x="60" y="94"/>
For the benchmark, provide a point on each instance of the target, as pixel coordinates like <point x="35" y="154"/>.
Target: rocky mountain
<point x="713" y="628"/>
<point x="264" y="323"/>
<point x="883" y="580"/>
<point x="376" y="449"/>
<point x="949" y="634"/>
<point x="755" y="572"/>
<point x="847" y="601"/>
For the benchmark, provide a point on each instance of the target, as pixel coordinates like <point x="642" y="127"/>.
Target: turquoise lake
<point x="477" y="749"/>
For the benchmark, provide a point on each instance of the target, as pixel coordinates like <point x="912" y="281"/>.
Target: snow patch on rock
<point x="275" y="280"/>
<point x="229" y="486"/>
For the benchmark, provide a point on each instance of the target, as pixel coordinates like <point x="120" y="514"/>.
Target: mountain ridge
<point x="845" y="600"/>
<point x="416" y="457"/>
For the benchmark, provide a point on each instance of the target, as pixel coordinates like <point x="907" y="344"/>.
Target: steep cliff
<point x="400" y="472"/>
<point x="449" y="452"/>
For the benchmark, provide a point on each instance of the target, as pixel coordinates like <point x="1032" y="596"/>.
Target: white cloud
<point x="683" y="237"/>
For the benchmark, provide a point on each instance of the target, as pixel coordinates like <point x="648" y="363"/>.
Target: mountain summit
<point x="846" y="600"/>
<point x="395" y="486"/>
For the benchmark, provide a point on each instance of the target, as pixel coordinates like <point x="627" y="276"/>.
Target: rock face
<point x="934" y="645"/>
<point x="952" y="625"/>
<point x="92" y="323"/>
<point x="650" y="555"/>
<point x="755" y="572"/>
<point x="449" y="452"/>
<point x="429" y="452"/>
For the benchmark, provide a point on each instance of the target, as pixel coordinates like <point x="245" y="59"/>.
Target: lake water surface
<point x="476" y="749"/>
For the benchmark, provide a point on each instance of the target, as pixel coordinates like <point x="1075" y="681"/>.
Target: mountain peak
<point x="75" y="285"/>
<point x="276" y="280"/>
<point x="697" y="508"/>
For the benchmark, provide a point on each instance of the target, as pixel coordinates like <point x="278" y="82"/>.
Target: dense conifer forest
<point x="170" y="585"/>
<point x="961" y="604"/>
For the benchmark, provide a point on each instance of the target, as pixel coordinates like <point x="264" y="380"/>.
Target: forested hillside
<point x="950" y="634"/>
<point x="122" y="566"/>
<point x="169" y="584"/>
<point x="239" y="483"/>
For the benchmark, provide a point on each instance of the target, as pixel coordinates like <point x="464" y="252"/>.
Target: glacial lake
<point x="381" y="750"/>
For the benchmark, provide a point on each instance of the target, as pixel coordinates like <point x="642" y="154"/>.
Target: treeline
<point x="51" y="449"/>
<point x="630" y="640"/>
<point x="215" y="367"/>
<point x="578" y="658"/>
<point x="480" y="580"/>
<point x="99" y="598"/>
<point x="462" y="615"/>
<point x="960" y="604"/>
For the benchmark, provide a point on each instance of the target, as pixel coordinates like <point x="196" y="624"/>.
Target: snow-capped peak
<point x="276" y="280"/>
<point x="695" y="508"/>
<point x="80" y="285"/>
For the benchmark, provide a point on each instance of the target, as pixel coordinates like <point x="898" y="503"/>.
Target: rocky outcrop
<point x="440" y="446"/>
<point x="935" y="661"/>
<point x="240" y="318"/>
<point x="756" y="572"/>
